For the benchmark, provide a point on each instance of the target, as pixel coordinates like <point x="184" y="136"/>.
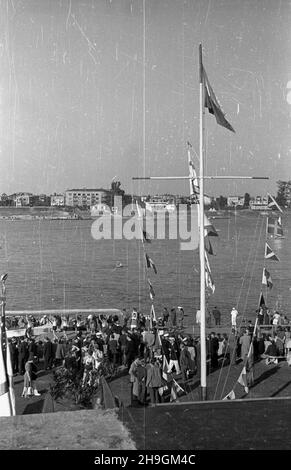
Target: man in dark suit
<point x="47" y="354"/>
<point x="22" y="356"/>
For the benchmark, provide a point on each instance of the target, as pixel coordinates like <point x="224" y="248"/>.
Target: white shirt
<point x="198" y="316"/>
<point x="234" y="314"/>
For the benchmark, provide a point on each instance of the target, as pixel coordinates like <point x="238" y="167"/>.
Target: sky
<point x="92" y="90"/>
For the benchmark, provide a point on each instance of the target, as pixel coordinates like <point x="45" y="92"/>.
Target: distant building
<point x="39" y="200"/>
<point x="233" y="201"/>
<point x="57" y="200"/>
<point x="85" y="197"/>
<point x="20" y="199"/>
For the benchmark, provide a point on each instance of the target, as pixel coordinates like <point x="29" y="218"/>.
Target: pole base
<point x="203" y="393"/>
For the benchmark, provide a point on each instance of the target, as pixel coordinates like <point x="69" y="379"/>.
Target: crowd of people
<point x="158" y="357"/>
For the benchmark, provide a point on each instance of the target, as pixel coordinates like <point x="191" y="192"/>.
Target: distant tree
<point x="247" y="200"/>
<point x="284" y="187"/>
<point x="222" y="202"/>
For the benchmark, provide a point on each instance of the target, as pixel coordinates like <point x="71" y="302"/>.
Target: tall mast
<point x="201" y="233"/>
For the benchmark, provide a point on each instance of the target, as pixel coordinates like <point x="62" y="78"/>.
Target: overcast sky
<point x="96" y="89"/>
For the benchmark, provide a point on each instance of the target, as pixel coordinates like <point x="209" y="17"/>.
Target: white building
<point x="85" y="197"/>
<point x="233" y="201"/>
<point x="57" y="200"/>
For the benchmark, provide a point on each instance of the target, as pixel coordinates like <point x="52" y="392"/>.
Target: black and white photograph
<point x="145" y="230"/>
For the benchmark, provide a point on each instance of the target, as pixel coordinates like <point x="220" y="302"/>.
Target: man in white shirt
<point x="234" y="314"/>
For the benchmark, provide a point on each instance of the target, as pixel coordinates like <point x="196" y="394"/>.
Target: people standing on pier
<point x="22" y="355"/>
<point x="173" y="317"/>
<point x="234" y="315"/>
<point x="165" y="316"/>
<point x="30" y="376"/>
<point x="173" y="356"/>
<point x="245" y="342"/>
<point x="185" y="362"/>
<point x="180" y="317"/>
<point x="214" y="346"/>
<point x="47" y="354"/>
<point x="154" y="380"/>
<point x="217" y="316"/>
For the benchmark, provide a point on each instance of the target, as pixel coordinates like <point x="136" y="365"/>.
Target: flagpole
<point x="203" y="371"/>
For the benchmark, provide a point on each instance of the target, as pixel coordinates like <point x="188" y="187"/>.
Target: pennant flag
<point x="272" y="204"/>
<point x="242" y="380"/>
<point x="208" y="277"/>
<point x="271" y="226"/>
<point x="269" y="254"/>
<point x="7" y="407"/>
<point x="152" y="293"/>
<point x="175" y="389"/>
<point x="210" y="230"/>
<point x="146" y="236"/>
<point x="153" y="317"/>
<point x="230" y="396"/>
<point x="211" y="102"/>
<point x="278" y="228"/>
<point x="262" y="300"/>
<point x="266" y="279"/>
<point x="150" y="263"/>
<point x="208" y="247"/>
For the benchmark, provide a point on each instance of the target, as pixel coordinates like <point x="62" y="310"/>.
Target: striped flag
<point x="266" y="279"/>
<point x="272" y="204"/>
<point x="152" y="292"/>
<point x="150" y="263"/>
<point x="269" y="254"/>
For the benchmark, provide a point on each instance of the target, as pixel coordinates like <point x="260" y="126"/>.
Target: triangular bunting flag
<point x="269" y="254"/>
<point x="262" y="300"/>
<point x="230" y="396"/>
<point x="146" y="236"/>
<point x="242" y="380"/>
<point x="272" y="204"/>
<point x="152" y="293"/>
<point x="150" y="263"/>
<point x="208" y="278"/>
<point x="153" y="317"/>
<point x="208" y="247"/>
<point x="209" y="229"/>
<point x="266" y="279"/>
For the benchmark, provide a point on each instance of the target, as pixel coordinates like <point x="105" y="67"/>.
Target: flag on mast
<point x="150" y="263"/>
<point x="266" y="279"/>
<point x="153" y="317"/>
<point x="211" y="102"/>
<point x="269" y="254"/>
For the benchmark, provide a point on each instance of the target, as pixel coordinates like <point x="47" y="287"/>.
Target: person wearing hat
<point x="47" y="354"/>
<point x="173" y="317"/>
<point x="174" y="356"/>
<point x="180" y="317"/>
<point x="30" y="375"/>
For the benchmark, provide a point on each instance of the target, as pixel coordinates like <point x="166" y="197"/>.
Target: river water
<point x="58" y="264"/>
